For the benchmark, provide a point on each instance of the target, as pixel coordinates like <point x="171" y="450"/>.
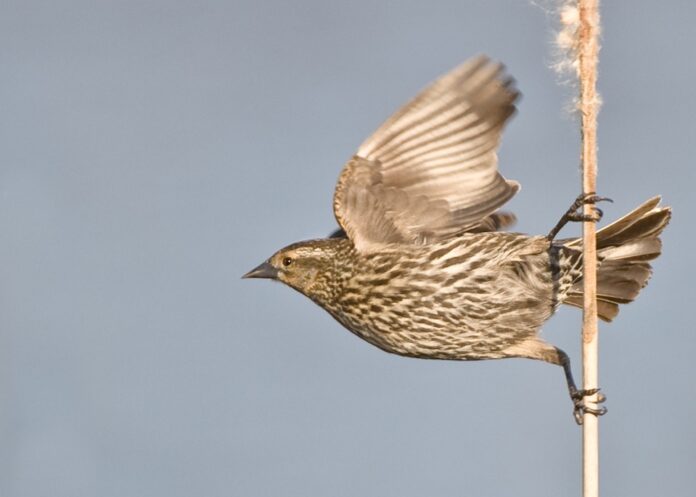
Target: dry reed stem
<point x="588" y="51"/>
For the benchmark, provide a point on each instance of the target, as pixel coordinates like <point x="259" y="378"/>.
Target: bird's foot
<point x="579" y="406"/>
<point x="575" y="214"/>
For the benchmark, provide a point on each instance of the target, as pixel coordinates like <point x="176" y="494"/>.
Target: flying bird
<point x="421" y="265"/>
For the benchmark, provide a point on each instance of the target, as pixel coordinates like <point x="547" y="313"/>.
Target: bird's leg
<point x="574" y="212"/>
<point x="578" y="396"/>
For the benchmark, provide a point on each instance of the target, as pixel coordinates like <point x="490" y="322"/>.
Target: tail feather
<point x="605" y="310"/>
<point x="623" y="248"/>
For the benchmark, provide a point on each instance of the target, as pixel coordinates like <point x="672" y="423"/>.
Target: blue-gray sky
<point x="152" y="152"/>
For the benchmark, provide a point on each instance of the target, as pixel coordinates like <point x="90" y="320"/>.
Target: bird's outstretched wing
<point x="430" y="171"/>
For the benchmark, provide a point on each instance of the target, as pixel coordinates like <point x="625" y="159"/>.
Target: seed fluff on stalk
<point x="420" y="266"/>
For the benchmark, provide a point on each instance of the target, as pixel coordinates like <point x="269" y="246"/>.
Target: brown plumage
<point x="419" y="267"/>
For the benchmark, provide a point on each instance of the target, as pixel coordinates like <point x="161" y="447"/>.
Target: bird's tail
<point x="623" y="249"/>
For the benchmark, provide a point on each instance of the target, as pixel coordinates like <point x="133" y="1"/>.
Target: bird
<point x="423" y="264"/>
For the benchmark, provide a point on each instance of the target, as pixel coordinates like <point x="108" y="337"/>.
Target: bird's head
<point x="308" y="267"/>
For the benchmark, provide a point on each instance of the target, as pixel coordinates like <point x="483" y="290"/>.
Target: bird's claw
<point x="590" y="198"/>
<point x="576" y="214"/>
<point x="579" y="407"/>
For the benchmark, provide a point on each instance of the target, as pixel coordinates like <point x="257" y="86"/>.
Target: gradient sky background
<point x="152" y="152"/>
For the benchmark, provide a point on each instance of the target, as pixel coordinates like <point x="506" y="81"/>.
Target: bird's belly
<point x="455" y="301"/>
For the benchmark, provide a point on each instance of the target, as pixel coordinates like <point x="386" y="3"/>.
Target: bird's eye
<point x="287" y="261"/>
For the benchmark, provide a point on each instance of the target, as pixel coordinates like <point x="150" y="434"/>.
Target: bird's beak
<point x="265" y="270"/>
